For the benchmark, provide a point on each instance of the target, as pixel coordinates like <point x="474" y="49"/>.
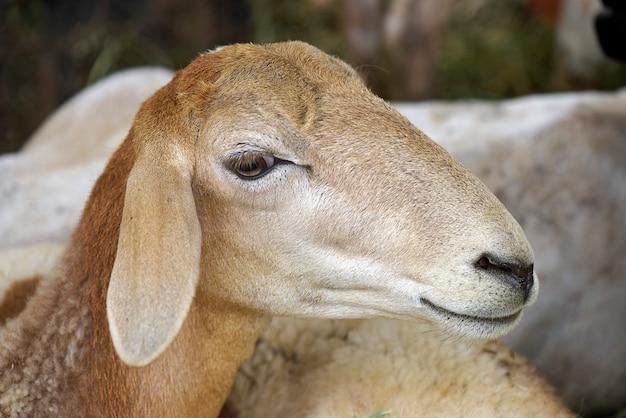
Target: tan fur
<point x="366" y="217"/>
<point x="354" y="368"/>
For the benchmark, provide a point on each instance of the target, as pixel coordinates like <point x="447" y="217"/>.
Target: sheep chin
<point x="477" y="327"/>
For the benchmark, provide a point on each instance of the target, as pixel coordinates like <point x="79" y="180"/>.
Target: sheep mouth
<point x="488" y="325"/>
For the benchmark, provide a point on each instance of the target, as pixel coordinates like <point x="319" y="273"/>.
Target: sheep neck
<point x="63" y="340"/>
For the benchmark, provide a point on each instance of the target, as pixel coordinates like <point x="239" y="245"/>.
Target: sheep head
<point x="270" y="178"/>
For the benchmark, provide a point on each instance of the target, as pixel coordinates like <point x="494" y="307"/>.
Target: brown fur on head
<point x="271" y="178"/>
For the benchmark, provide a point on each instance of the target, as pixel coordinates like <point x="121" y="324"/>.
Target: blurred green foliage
<point x="498" y="50"/>
<point x="281" y="20"/>
<point x="494" y="53"/>
<point x="50" y="49"/>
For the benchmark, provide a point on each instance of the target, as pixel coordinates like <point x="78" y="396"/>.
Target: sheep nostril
<point x="522" y="276"/>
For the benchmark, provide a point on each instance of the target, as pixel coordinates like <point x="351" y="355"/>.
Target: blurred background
<point x="407" y="50"/>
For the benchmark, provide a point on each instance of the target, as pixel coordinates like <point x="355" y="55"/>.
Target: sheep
<point x="261" y="181"/>
<point x="354" y="368"/>
<point x="49" y="179"/>
<point x="489" y="138"/>
<point x="562" y="175"/>
<point x="454" y="125"/>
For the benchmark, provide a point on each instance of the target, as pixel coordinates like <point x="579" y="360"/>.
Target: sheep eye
<point x="252" y="165"/>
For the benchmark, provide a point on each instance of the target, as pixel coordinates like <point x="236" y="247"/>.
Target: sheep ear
<point x="157" y="264"/>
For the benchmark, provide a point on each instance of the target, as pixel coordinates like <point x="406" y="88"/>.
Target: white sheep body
<point x="48" y="181"/>
<point x="27" y="261"/>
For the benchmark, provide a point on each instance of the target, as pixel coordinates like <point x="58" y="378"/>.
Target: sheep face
<point x="269" y="177"/>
